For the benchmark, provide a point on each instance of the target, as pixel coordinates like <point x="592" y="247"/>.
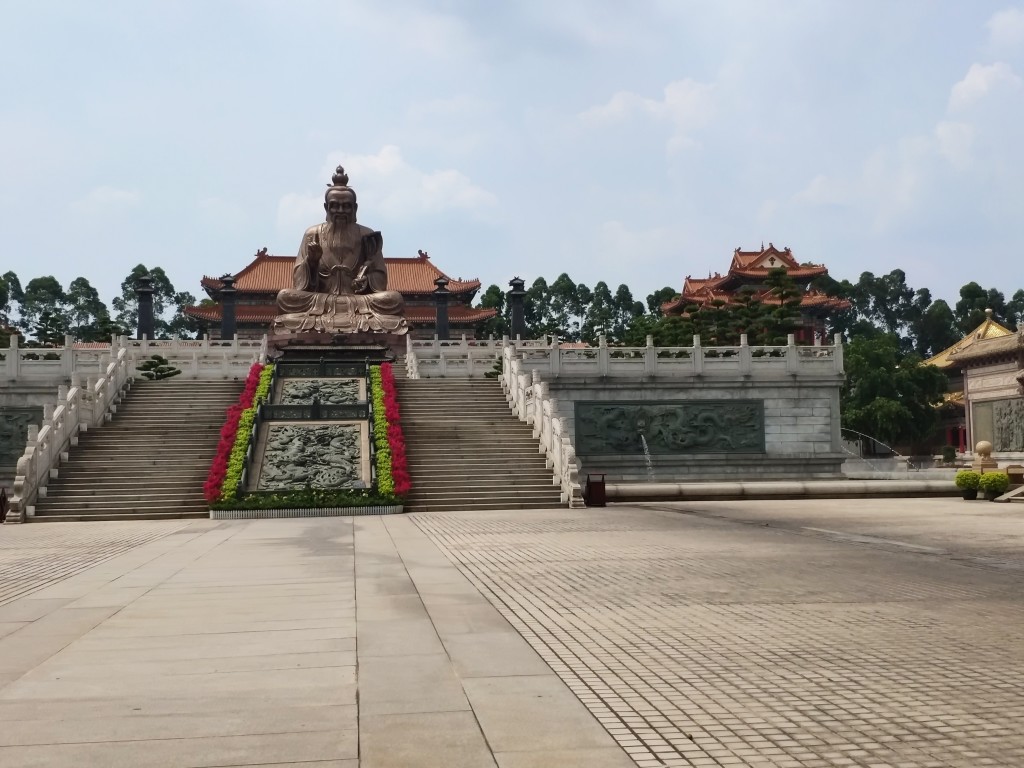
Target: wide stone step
<point x="480" y="458"/>
<point x="473" y="447"/>
<point x="460" y="434"/>
<point x="484" y="492"/>
<point x="133" y="464"/>
<point x="446" y="485"/>
<point x="187" y="492"/>
<point x="150" y="514"/>
<point x="78" y="489"/>
<point x="458" y="505"/>
<point x="122" y="505"/>
<point x="460" y="425"/>
<point x="459" y="410"/>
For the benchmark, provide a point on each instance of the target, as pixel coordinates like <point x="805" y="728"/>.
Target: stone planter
<point x="992" y="495"/>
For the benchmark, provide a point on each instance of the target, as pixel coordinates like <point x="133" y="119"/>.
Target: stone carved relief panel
<point x="1008" y="425"/>
<point x="670" y="427"/>
<point x="318" y="455"/>
<point x="14" y="423"/>
<point x="327" y="391"/>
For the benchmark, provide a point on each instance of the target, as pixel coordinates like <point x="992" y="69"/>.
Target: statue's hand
<point x="359" y="284"/>
<point x="313" y="249"/>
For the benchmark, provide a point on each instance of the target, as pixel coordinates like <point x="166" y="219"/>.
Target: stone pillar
<point x="441" y="294"/>
<point x="516" y="310"/>
<point x="227" y="308"/>
<point x="144" y="292"/>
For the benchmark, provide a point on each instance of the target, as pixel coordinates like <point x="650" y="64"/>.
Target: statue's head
<point x="340" y="200"/>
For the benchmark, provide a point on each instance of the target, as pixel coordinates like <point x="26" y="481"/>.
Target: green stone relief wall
<point x="318" y="455"/>
<point x="14" y="423"/>
<point x="327" y="391"/>
<point x="670" y="427"/>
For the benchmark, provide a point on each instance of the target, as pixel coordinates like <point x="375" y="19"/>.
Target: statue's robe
<point x="324" y="298"/>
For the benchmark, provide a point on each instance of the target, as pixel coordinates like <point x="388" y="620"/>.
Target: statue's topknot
<point x="340" y="178"/>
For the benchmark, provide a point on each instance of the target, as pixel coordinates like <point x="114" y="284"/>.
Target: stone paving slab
<point x="830" y="633"/>
<point x="721" y="634"/>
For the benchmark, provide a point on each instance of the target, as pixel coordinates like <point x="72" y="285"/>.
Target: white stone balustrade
<point x="196" y="358"/>
<point x="454" y="358"/>
<point x="649" y="361"/>
<point x="78" y="408"/>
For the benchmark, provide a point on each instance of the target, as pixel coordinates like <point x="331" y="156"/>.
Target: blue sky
<point x="634" y="143"/>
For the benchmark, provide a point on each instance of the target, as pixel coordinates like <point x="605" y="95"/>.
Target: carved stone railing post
<point x="67" y="355"/>
<point x="698" y="356"/>
<point x="650" y="357"/>
<point x="792" y="355"/>
<point x="13" y="362"/>
<point x="746" y="357"/>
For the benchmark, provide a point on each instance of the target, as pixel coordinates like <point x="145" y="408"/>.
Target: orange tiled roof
<point x="809" y="299"/>
<point x="267" y="273"/>
<point x="263" y="313"/>
<point x="753" y="265"/>
<point x="770" y="258"/>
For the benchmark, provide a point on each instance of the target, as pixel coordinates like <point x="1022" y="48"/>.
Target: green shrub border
<point x="967" y="479"/>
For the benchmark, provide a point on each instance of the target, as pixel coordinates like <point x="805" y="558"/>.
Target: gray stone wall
<point x="801" y="428"/>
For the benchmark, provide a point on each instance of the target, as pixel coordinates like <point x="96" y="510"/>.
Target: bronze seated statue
<point x="339" y="282"/>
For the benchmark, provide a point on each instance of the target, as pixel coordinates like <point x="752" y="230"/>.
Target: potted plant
<point x="994" y="484"/>
<point x="967" y="480"/>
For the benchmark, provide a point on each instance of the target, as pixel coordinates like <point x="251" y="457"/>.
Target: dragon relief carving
<point x="734" y="426"/>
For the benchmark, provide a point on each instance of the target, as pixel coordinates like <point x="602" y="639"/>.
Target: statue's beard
<point x="342" y="236"/>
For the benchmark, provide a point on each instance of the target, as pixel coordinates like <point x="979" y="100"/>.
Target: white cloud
<point x="401" y="190"/>
<point x="388" y="186"/>
<point x="955" y="141"/>
<point x="687" y="106"/>
<point x="297" y="211"/>
<point x="105" y="200"/>
<point x="821" y="190"/>
<point x="979" y="81"/>
<point x="1006" y="28"/>
<point x="222" y="212"/>
<point x="644" y="245"/>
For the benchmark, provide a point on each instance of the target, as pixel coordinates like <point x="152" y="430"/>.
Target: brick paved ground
<point x="32" y="557"/>
<point x="820" y="633"/>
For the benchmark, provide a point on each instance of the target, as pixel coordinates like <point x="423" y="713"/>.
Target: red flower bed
<point x="396" y="440"/>
<point x="219" y="467"/>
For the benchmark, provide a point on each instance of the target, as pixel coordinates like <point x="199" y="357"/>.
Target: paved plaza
<point x="785" y="633"/>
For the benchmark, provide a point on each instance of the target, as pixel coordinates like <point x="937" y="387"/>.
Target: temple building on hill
<point x="257" y="285"/>
<point x="749" y="270"/>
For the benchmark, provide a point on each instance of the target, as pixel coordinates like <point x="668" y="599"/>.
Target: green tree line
<point x="43" y="311"/>
<point x="889" y="329"/>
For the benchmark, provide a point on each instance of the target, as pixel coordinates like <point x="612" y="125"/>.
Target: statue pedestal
<point x="313" y="345"/>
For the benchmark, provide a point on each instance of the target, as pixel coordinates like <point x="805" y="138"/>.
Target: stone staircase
<point x="466" y="450"/>
<point x="150" y="461"/>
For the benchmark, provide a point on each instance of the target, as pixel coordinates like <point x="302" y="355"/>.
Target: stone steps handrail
<point x="78" y="408"/>
<point x="528" y="398"/>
